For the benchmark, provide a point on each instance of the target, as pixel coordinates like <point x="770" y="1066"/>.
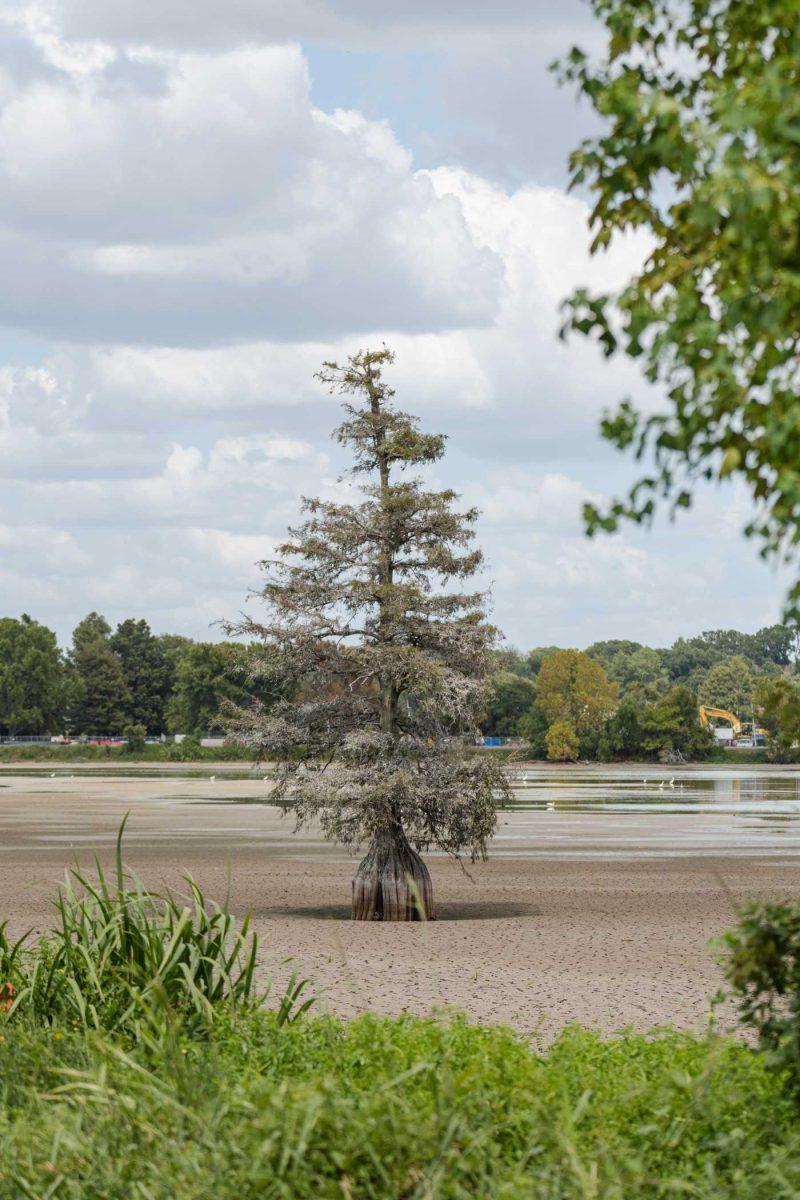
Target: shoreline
<point x="555" y="927"/>
<point x="203" y="764"/>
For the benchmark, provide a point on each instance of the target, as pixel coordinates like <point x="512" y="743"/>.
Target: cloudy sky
<point x="199" y="201"/>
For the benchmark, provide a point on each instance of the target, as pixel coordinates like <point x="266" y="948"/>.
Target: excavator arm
<point x="720" y="714"/>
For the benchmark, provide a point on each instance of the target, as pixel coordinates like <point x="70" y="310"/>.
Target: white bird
<point x="266" y="779"/>
<point x="672" y="783"/>
<point x="52" y="775"/>
<point x="644" y="781"/>
<point x="212" y="778"/>
<point x="661" y="785"/>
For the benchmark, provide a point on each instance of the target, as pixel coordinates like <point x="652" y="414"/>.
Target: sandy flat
<point x="600" y="918"/>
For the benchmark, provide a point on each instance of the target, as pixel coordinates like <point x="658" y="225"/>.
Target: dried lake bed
<point x="603" y="888"/>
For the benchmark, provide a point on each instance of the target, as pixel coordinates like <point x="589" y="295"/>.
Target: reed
<point x="120" y="954"/>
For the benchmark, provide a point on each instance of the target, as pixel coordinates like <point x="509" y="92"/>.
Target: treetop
<point x="377" y="433"/>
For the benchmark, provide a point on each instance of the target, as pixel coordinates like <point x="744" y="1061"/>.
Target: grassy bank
<point x="186" y="751"/>
<point x="191" y="751"/>
<point x="137" y="1061"/>
<point x="389" y="1108"/>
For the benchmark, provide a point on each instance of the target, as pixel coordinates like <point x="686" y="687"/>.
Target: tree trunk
<point x="392" y="883"/>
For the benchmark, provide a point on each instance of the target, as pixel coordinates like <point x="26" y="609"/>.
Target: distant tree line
<point x="617" y="699"/>
<point x="109" y="682"/>
<point x="620" y="699"/>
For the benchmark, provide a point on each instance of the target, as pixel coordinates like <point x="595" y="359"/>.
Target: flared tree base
<point x="392" y="883"/>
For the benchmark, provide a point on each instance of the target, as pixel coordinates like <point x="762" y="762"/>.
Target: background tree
<point x="562" y="742"/>
<point x="728" y="643"/>
<point x="100" y="697"/>
<point x="689" y="660"/>
<point x="394" y="660"/>
<point x="671" y="729"/>
<point x="622" y="733"/>
<point x="536" y="657"/>
<point x="147" y="674"/>
<point x="93" y="628"/>
<point x="573" y="687"/>
<point x="174" y="646"/>
<point x="32" y="678"/>
<point x="777" y="707"/>
<point x="135" y="738"/>
<point x="700" y="108"/>
<point x="511" y="660"/>
<point x="209" y="675"/>
<point x="533" y="726"/>
<point x="774" y="644"/>
<point x="729" y="684"/>
<point x="510" y="697"/>
<point x="605" y="652"/>
<point x="639" y="674"/>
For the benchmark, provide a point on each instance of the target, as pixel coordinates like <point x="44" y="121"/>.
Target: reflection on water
<point x="774" y="795"/>
<point x="585" y="812"/>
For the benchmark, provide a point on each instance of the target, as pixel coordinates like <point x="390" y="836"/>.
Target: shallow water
<point x="774" y="793"/>
<point x="557" y="812"/>
<point x="179" y="771"/>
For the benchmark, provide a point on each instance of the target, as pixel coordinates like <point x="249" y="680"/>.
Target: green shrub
<point x="189" y="749"/>
<point x="135" y="738"/>
<point x="762" y="965"/>
<point x="562" y="742"/>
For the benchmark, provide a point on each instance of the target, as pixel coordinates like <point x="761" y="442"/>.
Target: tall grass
<point x="390" y="1109"/>
<point x="138" y="1062"/>
<point x="120" y="954"/>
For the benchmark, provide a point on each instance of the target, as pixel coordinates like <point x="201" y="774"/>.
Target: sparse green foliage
<point x="699" y="152"/>
<point x="153" y="752"/>
<point x="762" y="966"/>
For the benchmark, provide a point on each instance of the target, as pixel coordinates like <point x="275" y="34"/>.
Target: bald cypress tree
<point x="391" y="660"/>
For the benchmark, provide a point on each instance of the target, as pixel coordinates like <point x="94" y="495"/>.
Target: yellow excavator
<point x="745" y="733"/>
